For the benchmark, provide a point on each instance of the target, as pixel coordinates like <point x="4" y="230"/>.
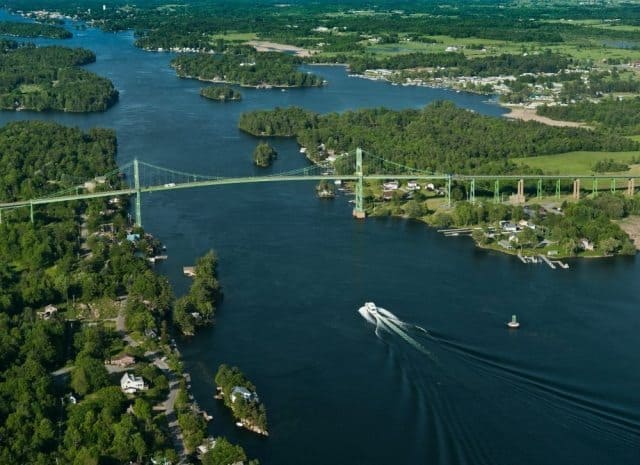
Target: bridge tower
<point x="136" y="180"/>
<point x="358" y="211"/>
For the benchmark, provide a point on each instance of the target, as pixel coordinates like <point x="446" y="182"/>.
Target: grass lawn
<point x="30" y="88"/>
<point x="579" y="163"/>
<point x="235" y="36"/>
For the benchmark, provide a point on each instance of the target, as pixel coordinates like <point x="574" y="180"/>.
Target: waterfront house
<point x="586" y="244"/>
<point x="507" y="226"/>
<point x="242" y="392"/>
<point x="413" y="185"/>
<point x="131" y="383"/>
<point x="208" y="444"/>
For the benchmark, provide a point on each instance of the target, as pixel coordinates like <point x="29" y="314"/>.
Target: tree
<point x="224" y="453"/>
<point x="264" y="154"/>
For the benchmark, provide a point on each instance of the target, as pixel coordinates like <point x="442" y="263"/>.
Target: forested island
<point x="245" y="67"/>
<point x="239" y="394"/>
<point x="264" y="154"/>
<point x="49" y="78"/>
<point x="439" y="138"/>
<point x="220" y="93"/>
<point x="198" y="307"/>
<point x="64" y="280"/>
<point x="11" y="28"/>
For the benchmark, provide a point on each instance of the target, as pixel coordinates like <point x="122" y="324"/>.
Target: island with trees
<point x="239" y="394"/>
<point x="50" y="78"/>
<point x="243" y="66"/>
<point x="221" y="93"/>
<point x="12" y="28"/>
<point x="198" y="306"/>
<point x="264" y="154"/>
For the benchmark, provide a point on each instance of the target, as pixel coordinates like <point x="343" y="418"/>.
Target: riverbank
<point x="522" y="113"/>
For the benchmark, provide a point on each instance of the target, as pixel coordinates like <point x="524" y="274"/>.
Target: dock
<point x="189" y="271"/>
<point x="526" y="259"/>
<point x="553" y="263"/>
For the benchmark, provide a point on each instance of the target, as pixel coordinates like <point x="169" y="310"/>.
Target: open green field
<point x="579" y="163"/>
<point x="235" y="36"/>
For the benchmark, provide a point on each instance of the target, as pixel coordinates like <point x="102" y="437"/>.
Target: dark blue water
<point x="563" y="389"/>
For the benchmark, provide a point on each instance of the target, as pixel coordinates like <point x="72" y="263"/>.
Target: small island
<point x="239" y="394"/>
<point x="198" y="307"/>
<point x="221" y="93"/>
<point x="264" y="154"/>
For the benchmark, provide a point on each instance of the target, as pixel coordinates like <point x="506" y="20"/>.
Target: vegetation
<point x="439" y="138"/>
<point x="198" y="307"/>
<point x="585" y="222"/>
<point x="609" y="165"/>
<point x="620" y="115"/>
<point x="264" y="154"/>
<point x="246" y="67"/>
<point x="250" y="411"/>
<point x="224" y="453"/>
<point x="48" y="78"/>
<point x="220" y="93"/>
<point x="577" y="163"/>
<point x="33" y="30"/>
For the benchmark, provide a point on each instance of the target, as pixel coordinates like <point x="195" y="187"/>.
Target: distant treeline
<point x="246" y="67"/>
<point x="622" y="115"/>
<point x="33" y="30"/>
<point x="48" y="78"/>
<point x="440" y="138"/>
<point x="458" y="64"/>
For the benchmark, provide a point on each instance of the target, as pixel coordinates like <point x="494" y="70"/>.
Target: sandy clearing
<point x="265" y="46"/>
<point x="527" y="114"/>
<point x="631" y="226"/>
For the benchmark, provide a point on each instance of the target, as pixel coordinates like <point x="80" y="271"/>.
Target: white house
<point x="132" y="384"/>
<point x="391" y="185"/>
<point x="413" y="185"/>
<point x="48" y="312"/>
<point x="242" y="392"/>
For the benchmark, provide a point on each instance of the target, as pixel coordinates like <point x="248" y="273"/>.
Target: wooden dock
<point x="189" y="271"/>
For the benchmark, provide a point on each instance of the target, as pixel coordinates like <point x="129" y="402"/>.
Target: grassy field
<point x="235" y="36"/>
<point x="579" y="163"/>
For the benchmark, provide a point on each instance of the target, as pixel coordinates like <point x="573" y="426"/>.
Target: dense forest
<point x="264" y="154"/>
<point x="49" y="78"/>
<point x="11" y="28"/>
<point x="38" y="158"/>
<point x="244" y="66"/>
<point x="620" y="115"/>
<point x="439" y="138"/>
<point x="220" y="93"/>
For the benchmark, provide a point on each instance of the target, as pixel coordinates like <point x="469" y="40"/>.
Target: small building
<point x="208" y="444"/>
<point x="133" y="237"/>
<point x="552" y="253"/>
<point x="586" y="244"/>
<point x="48" y="312"/>
<point x="122" y="361"/>
<point x="242" y="392"/>
<point x="390" y="185"/>
<point x="387" y="195"/>
<point x="189" y="271"/>
<point x="430" y="187"/>
<point x="413" y="185"/>
<point x="507" y="226"/>
<point x="131" y="383"/>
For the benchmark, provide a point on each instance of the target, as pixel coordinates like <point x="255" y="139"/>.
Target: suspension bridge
<point x="148" y="178"/>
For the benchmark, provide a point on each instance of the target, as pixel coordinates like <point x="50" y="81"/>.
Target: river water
<point x="562" y="389"/>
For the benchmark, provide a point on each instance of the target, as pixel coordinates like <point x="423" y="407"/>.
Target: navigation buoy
<point x="513" y="323"/>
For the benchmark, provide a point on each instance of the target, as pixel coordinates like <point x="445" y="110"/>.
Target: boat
<point x="239" y="424"/>
<point x="513" y="323"/>
<point x="369" y="312"/>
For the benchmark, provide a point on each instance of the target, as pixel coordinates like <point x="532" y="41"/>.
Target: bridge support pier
<point x="631" y="187"/>
<point x="31" y="212"/>
<point x="358" y="210"/>
<point x="472" y="191"/>
<point x="136" y="180"/>
<point x="613" y="185"/>
<point x="520" y="194"/>
<point x="576" y="189"/>
<point x="0" y="216"/>
<point x="449" y="191"/>
<point x="594" y="187"/>
<point x="558" y="189"/>
<point x="496" y="191"/>
<point x="539" y="192"/>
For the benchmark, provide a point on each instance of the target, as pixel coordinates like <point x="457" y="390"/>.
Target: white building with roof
<point x="131" y="384"/>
